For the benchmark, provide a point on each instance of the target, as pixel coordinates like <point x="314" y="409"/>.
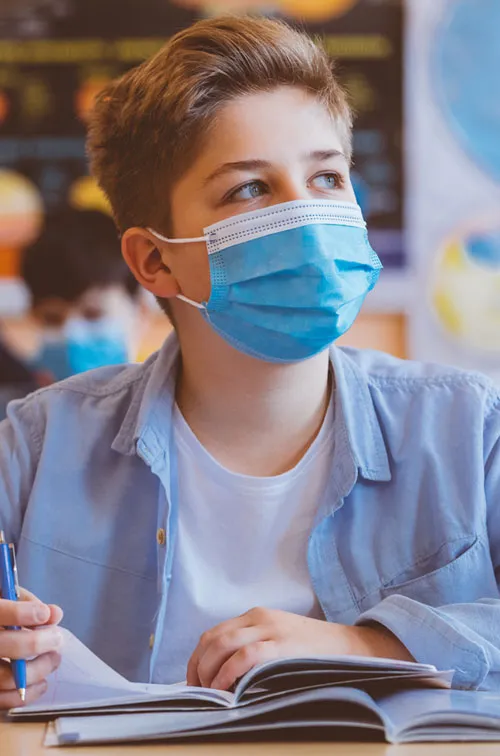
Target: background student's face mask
<point x="81" y="345"/>
<point x="287" y="280"/>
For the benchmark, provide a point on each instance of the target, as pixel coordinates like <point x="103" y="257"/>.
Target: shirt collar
<point x="147" y="423"/>
<point x="355" y="413"/>
<point x="146" y="426"/>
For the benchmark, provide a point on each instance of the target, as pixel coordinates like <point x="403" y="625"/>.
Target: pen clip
<point x="14" y="569"/>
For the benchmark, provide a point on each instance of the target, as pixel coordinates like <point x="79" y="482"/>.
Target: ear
<point x="142" y="254"/>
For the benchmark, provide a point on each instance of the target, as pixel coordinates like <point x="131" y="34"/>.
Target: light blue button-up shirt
<point x="407" y="535"/>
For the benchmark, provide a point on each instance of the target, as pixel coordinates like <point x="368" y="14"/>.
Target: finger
<point x="192" y="671"/>
<point x="242" y="661"/>
<point x="228" y="626"/>
<point x="10" y="699"/>
<point x="222" y="648"/>
<point x="25" y="644"/>
<point x="25" y="613"/>
<point x="55" y="612"/>
<point x="36" y="670"/>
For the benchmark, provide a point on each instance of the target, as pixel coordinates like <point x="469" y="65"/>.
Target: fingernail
<point x="42" y="613"/>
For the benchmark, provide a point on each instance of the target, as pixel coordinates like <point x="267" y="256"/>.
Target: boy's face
<point x="98" y="329"/>
<point x="263" y="149"/>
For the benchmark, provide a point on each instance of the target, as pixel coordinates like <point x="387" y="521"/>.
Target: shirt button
<point x="151" y="640"/>
<point x="160" y="537"/>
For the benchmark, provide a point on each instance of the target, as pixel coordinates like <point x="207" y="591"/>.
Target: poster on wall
<point x="454" y="181"/>
<point x="55" y="56"/>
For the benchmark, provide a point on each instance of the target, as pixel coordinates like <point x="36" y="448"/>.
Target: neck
<point x="255" y="418"/>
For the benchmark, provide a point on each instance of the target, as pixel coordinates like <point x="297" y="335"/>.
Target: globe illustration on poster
<point x="21" y="217"/>
<point x="21" y="210"/>
<point x="466" y="76"/>
<point x="465" y="289"/>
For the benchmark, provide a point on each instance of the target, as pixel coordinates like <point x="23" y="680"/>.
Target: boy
<point x="84" y="298"/>
<point x="250" y="492"/>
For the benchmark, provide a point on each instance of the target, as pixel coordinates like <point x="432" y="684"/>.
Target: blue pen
<point x="10" y="591"/>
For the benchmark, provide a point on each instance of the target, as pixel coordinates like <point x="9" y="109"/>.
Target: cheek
<point x="348" y="191"/>
<point x="192" y="271"/>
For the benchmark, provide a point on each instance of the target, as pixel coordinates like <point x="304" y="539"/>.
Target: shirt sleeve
<point x="19" y="453"/>
<point x="464" y="637"/>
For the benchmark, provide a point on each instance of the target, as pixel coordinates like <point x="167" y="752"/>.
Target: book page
<point x="343" y="669"/>
<point x="339" y="707"/>
<point x="414" y="712"/>
<point x="84" y="681"/>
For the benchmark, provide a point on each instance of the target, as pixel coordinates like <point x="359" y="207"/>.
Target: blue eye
<point x="249" y="191"/>
<point x="327" y="181"/>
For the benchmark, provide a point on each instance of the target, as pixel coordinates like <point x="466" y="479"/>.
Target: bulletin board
<point x="55" y="55"/>
<point x="454" y="181"/>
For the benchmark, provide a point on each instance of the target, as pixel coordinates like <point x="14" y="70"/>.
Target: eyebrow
<point x="250" y="165"/>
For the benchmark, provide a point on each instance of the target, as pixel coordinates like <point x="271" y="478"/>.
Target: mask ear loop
<point x="191" y="302"/>
<point x="176" y="241"/>
<point x="198" y="305"/>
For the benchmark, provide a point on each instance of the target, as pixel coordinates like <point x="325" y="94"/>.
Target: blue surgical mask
<point x="289" y="279"/>
<point x="82" y="345"/>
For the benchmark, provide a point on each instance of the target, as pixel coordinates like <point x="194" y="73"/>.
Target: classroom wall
<point x="386" y="332"/>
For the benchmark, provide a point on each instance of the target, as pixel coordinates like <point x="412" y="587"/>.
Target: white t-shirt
<point x="241" y="543"/>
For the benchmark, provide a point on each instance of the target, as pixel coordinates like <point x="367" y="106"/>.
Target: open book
<point x="85" y="684"/>
<point x="329" y="696"/>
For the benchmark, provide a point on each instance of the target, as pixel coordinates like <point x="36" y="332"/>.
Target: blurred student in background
<point x="83" y="297"/>
<point x="16" y="380"/>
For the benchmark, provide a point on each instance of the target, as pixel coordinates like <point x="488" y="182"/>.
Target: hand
<point x="230" y="649"/>
<point x="39" y="643"/>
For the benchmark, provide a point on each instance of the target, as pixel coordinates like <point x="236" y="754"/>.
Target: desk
<point x="21" y="739"/>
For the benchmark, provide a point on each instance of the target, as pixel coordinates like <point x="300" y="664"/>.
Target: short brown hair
<point x="147" y="126"/>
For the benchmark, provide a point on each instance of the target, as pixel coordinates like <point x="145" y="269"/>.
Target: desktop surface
<point x="26" y="739"/>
